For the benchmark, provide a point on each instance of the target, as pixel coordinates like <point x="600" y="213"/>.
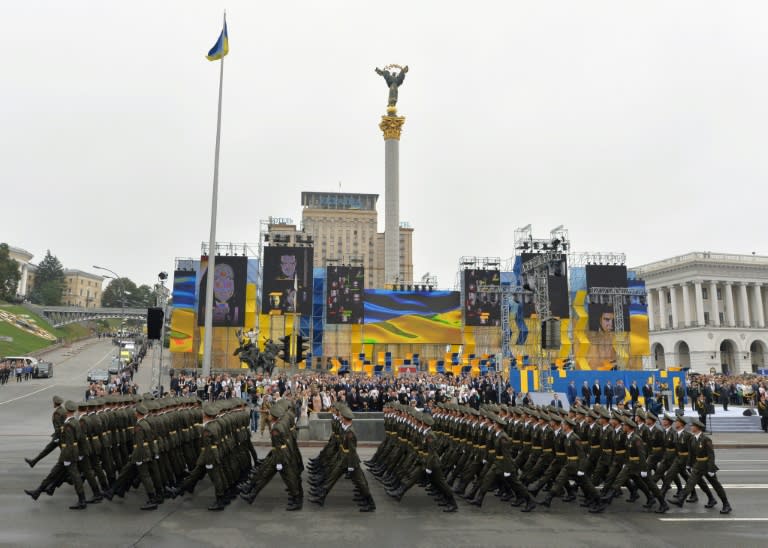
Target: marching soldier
<point x="59" y="413"/>
<point x="703" y="468"/>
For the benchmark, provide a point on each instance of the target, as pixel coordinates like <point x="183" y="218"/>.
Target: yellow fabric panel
<point x="432" y="367"/>
<point x="469" y="340"/>
<point x="580" y="327"/>
<point x="565" y="338"/>
<point x="182" y="330"/>
<point x="561" y="373"/>
<point x="523" y="381"/>
<point x="639" y="342"/>
<point x="368" y="370"/>
<point x="535" y="375"/>
<point x="357" y="338"/>
<point x="663" y="373"/>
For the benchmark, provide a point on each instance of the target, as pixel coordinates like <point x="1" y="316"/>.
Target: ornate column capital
<point x="391" y="126"/>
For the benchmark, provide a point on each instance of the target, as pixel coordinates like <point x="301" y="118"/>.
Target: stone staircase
<point x="717" y="423"/>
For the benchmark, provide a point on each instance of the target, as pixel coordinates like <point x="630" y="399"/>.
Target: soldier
<point x="702" y="467"/>
<point x="503" y="472"/>
<point x="66" y="467"/>
<point x="349" y="462"/>
<point x="573" y="469"/>
<point x="58" y="420"/>
<point x="682" y="462"/>
<point x="138" y="463"/>
<point x="209" y="459"/>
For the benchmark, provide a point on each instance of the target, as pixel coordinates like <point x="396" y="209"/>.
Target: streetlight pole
<point x="122" y="287"/>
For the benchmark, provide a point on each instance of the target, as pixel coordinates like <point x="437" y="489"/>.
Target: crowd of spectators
<point x="15" y="369"/>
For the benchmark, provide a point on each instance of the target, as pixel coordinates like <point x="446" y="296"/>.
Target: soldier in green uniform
<point x="703" y="468"/>
<point x="66" y="467"/>
<point x="58" y="420"/>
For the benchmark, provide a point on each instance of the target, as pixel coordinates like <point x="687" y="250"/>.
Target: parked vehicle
<point x="43" y="370"/>
<point x="98" y="375"/>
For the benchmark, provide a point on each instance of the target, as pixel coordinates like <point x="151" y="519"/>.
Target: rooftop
<point x="339" y="200"/>
<point x="704" y="257"/>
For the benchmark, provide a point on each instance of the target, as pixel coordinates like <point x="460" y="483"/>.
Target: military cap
<point x="58" y="400"/>
<point x="70" y="406"/>
<point x="667" y="417"/>
<point x="629" y="422"/>
<point x="545" y="416"/>
<point x="580" y="411"/>
<point x="499" y="421"/>
<point x="141" y="409"/>
<point x="427" y="419"/>
<point x="346" y="412"/>
<point x="594" y="414"/>
<point x="604" y="413"/>
<point x="640" y="413"/>
<point x="651" y="416"/>
<point x="209" y="410"/>
<point x="569" y="421"/>
<point x="697" y="422"/>
<point x="681" y="419"/>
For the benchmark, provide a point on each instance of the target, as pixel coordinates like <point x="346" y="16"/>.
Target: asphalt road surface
<point x="25" y="410"/>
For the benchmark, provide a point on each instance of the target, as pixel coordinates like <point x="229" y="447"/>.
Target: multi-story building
<point x="82" y="289"/>
<point x="707" y="311"/>
<point x="342" y="228"/>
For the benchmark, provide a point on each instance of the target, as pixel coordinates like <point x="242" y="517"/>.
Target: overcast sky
<point x="640" y="126"/>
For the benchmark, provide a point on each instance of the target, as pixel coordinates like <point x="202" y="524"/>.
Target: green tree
<point x="49" y="281"/>
<point x="10" y="274"/>
<point x="143" y="297"/>
<point x="116" y="289"/>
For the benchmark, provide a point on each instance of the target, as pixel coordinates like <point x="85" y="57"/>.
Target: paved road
<point x="415" y="522"/>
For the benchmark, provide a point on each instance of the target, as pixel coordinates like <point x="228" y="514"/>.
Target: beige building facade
<point x="342" y="229"/>
<point x="82" y="289"/>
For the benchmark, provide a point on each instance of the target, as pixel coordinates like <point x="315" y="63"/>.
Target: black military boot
<point x="547" y="501"/>
<point x="711" y="503"/>
<point x="369" y="505"/>
<point x="217" y="506"/>
<point x="295" y="503"/>
<point x="318" y="498"/>
<point x="663" y="506"/>
<point x="80" y="504"/>
<point x="150" y="504"/>
<point x="97" y="498"/>
<point x="530" y="506"/>
<point x="34" y="493"/>
<point x="726" y="508"/>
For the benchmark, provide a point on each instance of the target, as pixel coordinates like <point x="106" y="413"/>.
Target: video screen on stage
<point x="411" y="317"/>
<point x="344" y="294"/>
<point x="481" y="308"/>
<point x="287" y="283"/>
<point x="230" y="278"/>
<point x="600" y="308"/>
<point x="557" y="282"/>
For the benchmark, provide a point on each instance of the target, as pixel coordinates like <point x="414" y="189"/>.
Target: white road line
<point x="27" y="395"/>
<point x="761" y="470"/>
<point x="742" y="460"/>
<point x="745" y="485"/>
<point x="53" y="385"/>
<point x="713" y="519"/>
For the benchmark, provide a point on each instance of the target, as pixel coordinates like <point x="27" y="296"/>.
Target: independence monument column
<point x="391" y="125"/>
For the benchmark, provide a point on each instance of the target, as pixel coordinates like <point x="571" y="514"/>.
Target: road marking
<point x="746" y="486"/>
<point x="742" y="460"/>
<point x="761" y="470"/>
<point x="713" y="519"/>
<point x="71" y="378"/>
<point x="26" y="395"/>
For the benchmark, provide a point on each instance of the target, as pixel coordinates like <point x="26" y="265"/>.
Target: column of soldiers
<point x="522" y="451"/>
<point x="164" y="445"/>
<point x="337" y="458"/>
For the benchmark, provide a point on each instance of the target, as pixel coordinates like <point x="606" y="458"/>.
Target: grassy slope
<point x="24" y="342"/>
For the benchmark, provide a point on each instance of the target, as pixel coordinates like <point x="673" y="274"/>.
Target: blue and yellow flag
<point x="221" y="47"/>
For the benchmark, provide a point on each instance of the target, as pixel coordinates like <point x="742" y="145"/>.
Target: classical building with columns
<point x="23" y="257"/>
<point x="707" y="311"/>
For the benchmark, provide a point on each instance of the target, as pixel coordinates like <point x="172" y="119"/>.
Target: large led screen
<point x="231" y="276"/>
<point x="412" y="317"/>
<point x="287" y="284"/>
<point x="557" y="281"/>
<point x="481" y="307"/>
<point x="344" y="294"/>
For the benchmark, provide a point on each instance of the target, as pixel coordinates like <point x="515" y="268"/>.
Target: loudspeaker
<point x="154" y="323"/>
<point x="550" y="334"/>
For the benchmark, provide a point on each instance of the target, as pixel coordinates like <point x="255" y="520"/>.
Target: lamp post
<point x="122" y="288"/>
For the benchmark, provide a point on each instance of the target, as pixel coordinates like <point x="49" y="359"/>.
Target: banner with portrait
<point x="287" y="282"/>
<point x="344" y="294"/>
<point x="482" y="308"/>
<point x="229" y="290"/>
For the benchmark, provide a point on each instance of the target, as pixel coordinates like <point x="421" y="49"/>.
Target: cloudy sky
<point x="640" y="126"/>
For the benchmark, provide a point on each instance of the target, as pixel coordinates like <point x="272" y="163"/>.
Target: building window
<point x="706" y="318"/>
<point x="719" y="294"/>
<point x="669" y="299"/>
<point x="669" y="320"/>
<point x="721" y="316"/>
<point x="704" y="293"/>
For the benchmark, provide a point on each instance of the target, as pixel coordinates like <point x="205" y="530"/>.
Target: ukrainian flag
<point x="221" y="47"/>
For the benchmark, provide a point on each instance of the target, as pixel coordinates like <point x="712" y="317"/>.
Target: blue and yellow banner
<point x="221" y="47"/>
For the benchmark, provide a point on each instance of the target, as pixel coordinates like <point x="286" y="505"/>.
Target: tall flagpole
<point x="208" y="339"/>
